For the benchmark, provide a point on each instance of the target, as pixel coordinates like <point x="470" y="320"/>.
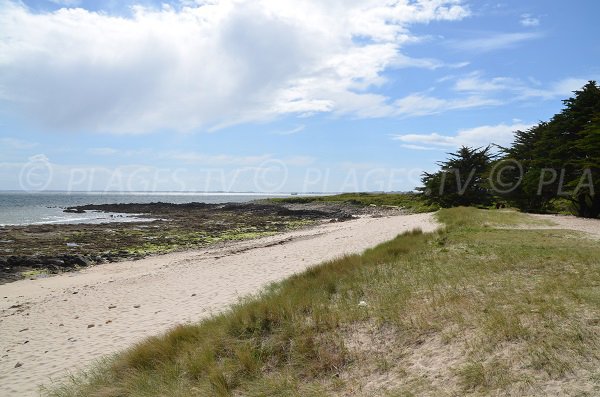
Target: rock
<point x="108" y="322"/>
<point x="75" y="292"/>
<point x="91" y="325"/>
<point x="362" y="304"/>
<point x="137" y="306"/>
<point x="74" y="210"/>
<point x="193" y="294"/>
<point x="24" y="329"/>
<point x="19" y="364"/>
<point x="82" y="261"/>
<point x="55" y="262"/>
<point x="112" y="307"/>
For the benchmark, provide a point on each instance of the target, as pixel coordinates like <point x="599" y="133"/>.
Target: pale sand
<point x="48" y="332"/>
<point x="591" y="227"/>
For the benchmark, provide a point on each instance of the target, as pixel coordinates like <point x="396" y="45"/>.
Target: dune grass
<point x="412" y="202"/>
<point x="469" y="310"/>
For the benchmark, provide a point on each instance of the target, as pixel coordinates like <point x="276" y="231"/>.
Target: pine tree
<point x="460" y="180"/>
<point x="559" y="158"/>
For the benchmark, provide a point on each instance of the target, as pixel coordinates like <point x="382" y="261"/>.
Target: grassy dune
<point x="410" y="201"/>
<point x="470" y="310"/>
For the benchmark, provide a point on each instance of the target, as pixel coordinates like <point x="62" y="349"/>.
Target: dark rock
<point x="55" y="262"/>
<point x="82" y="261"/>
<point x="19" y="364"/>
<point x="74" y="210"/>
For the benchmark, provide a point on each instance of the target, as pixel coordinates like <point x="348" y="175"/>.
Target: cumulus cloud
<point x="205" y="64"/>
<point x="500" y="134"/>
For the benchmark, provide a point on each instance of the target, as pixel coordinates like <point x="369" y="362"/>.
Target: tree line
<point x="552" y="163"/>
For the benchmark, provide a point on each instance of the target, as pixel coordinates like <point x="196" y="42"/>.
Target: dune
<point x="52" y="326"/>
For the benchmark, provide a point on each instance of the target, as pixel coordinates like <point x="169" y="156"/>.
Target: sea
<point x="24" y="208"/>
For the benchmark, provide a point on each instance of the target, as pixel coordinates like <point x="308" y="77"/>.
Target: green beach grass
<point x="412" y="202"/>
<point x="472" y="309"/>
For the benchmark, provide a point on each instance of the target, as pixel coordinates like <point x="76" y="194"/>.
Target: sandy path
<point x="589" y="226"/>
<point x="62" y="323"/>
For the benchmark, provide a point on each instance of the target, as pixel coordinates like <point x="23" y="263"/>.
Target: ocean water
<point x="19" y="208"/>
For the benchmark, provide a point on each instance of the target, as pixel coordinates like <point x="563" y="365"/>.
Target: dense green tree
<point x="560" y="158"/>
<point x="460" y="180"/>
<point x="587" y="186"/>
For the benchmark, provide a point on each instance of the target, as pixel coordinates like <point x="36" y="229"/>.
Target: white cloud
<point x="529" y="21"/>
<point x="418" y="147"/>
<point x="476" y="84"/>
<point x="291" y="131"/>
<point x="419" y="104"/>
<point x="563" y="88"/>
<point x="500" y="134"/>
<point x="495" y="41"/>
<point x="207" y="65"/>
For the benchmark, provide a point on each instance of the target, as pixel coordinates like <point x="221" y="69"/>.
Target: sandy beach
<point x="59" y="324"/>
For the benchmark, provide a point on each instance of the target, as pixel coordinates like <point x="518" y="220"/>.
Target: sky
<point x="275" y="95"/>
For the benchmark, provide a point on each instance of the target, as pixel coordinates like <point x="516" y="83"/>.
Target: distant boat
<point x="294" y="194"/>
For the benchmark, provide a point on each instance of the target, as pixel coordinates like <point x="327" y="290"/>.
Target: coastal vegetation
<point x="411" y="202"/>
<point x="493" y="303"/>
<point x="548" y="165"/>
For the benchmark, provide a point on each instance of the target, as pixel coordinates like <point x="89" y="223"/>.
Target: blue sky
<point x="274" y="95"/>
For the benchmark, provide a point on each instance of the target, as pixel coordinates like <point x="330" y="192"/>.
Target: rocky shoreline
<point x="35" y="251"/>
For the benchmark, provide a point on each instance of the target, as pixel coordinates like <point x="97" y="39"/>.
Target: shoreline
<point x="65" y="322"/>
<point x="33" y="251"/>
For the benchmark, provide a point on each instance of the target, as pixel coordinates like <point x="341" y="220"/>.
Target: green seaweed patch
<point x="35" y="273"/>
<point x="244" y="235"/>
